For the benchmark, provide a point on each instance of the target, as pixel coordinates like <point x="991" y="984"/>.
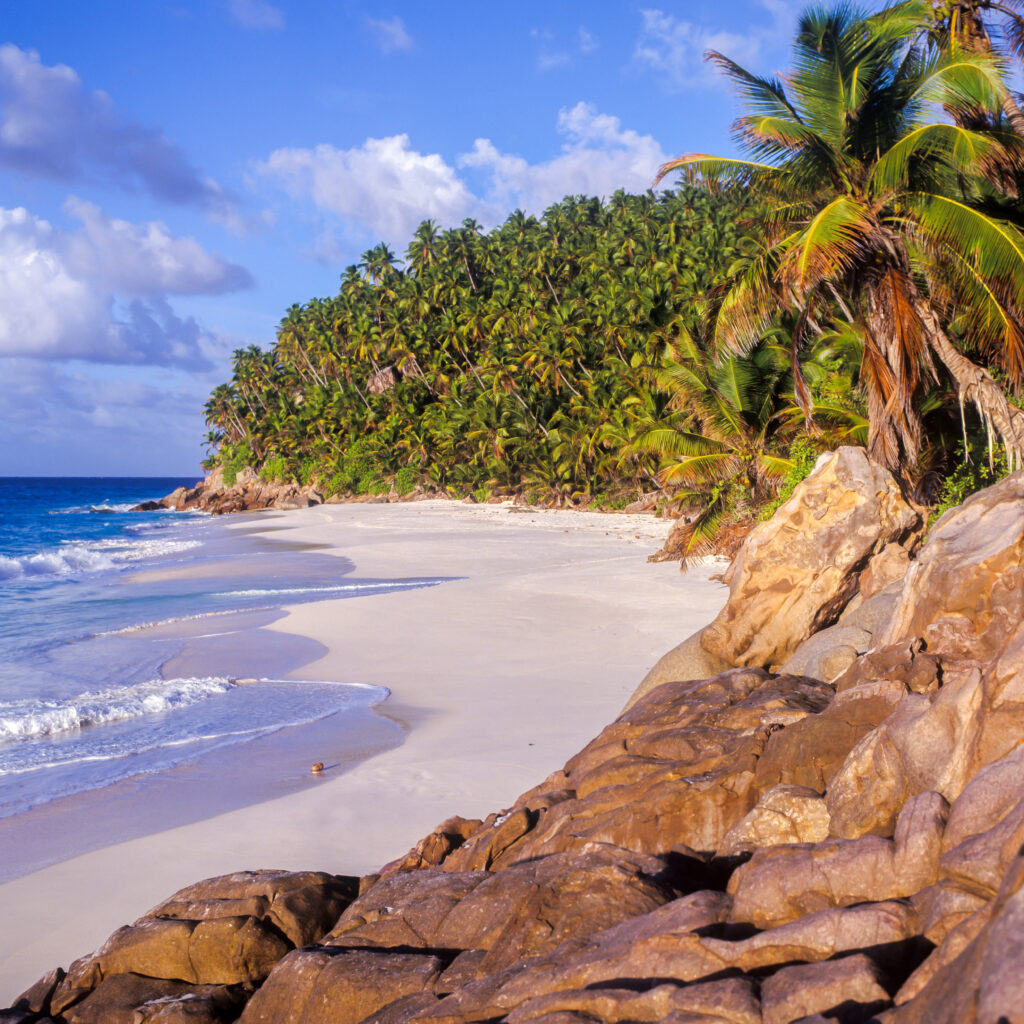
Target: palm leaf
<point x="701" y="469"/>
<point x="830" y="246"/>
<point x="993" y="248"/>
<point x="959" y="149"/>
<point x="722" y="171"/>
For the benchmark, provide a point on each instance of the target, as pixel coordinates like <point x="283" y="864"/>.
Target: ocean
<point x="119" y="634"/>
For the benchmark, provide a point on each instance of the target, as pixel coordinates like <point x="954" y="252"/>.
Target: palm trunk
<point x="894" y="424"/>
<point x="975" y="384"/>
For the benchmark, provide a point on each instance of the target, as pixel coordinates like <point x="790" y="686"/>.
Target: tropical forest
<point x="855" y="276"/>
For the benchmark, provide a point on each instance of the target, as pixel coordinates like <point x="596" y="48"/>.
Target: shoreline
<point x="498" y="676"/>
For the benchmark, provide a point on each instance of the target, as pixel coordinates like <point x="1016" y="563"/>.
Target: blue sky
<point x="174" y="175"/>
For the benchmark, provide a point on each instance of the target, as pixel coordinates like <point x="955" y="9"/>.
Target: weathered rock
<point x="434" y="848"/>
<point x="732" y="1000"/>
<point x="979" y="863"/>
<point x="785" y="814"/>
<point x="566" y="908"/>
<point x="654" y="946"/>
<point x="851" y="983"/>
<point x="248" y="493"/>
<point x="831" y="652"/>
<point x="525" y="910"/>
<point x="37" y="997"/>
<point x="796" y="573"/>
<point x="785" y="883"/>
<point x="684" y="662"/>
<point x="134" y="999"/>
<point x="678" y="768"/>
<point x="224" y="951"/>
<point x="943" y="906"/>
<point x="301" y="904"/>
<point x="983" y="984"/>
<point x="674" y="942"/>
<point x="990" y="795"/>
<point x="964" y="594"/>
<point x="222" y="931"/>
<point x="889" y="566"/>
<point x="645" y="503"/>
<point x="809" y="752"/>
<point x="23" y="1017"/>
<point x="337" y="986"/>
<point x="930" y="742"/>
<point x="955" y="941"/>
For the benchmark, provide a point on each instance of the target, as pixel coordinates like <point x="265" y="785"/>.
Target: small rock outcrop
<point x="843" y="843"/>
<point x="796" y="573"/>
<point x="248" y="493"/>
<point x="842" y="536"/>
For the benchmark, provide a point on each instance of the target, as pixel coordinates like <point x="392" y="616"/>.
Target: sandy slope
<point x="500" y="675"/>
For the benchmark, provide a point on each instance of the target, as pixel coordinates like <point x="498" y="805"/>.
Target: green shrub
<point x="274" y="468"/>
<point x="406" y="480"/>
<point x="971" y="474"/>
<point x="803" y="454"/>
<point x="371" y="483"/>
<point x="233" y="459"/>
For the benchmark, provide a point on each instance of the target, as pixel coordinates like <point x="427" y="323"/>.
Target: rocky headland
<point x="247" y="492"/>
<point x="812" y="810"/>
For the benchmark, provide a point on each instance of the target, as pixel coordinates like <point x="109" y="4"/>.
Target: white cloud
<point x="674" y="49"/>
<point x="139" y="259"/>
<point x="256" y="14"/>
<point x="99" y="294"/>
<point x="390" y="33"/>
<point x="52" y="127"/>
<point x="383" y="185"/>
<point x="387" y="188"/>
<point x="598" y="157"/>
<point x="587" y="41"/>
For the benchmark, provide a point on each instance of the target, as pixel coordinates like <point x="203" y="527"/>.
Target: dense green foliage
<point x="859" y="279"/>
<point x="512" y="361"/>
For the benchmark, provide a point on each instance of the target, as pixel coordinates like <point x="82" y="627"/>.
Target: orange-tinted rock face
<point x="796" y="573"/>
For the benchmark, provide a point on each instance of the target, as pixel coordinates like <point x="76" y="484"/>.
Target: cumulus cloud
<point x="384" y="185"/>
<point x="51" y="126"/>
<point x="256" y="14"/>
<point x="387" y="188"/>
<point x="674" y="48"/>
<point x="390" y="33"/>
<point x="99" y="294"/>
<point x="598" y="157"/>
<point x="140" y="259"/>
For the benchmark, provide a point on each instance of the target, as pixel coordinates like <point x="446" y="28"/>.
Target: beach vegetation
<point x="885" y="211"/>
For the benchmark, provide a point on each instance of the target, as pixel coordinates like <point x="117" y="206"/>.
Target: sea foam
<point x="78" y="557"/>
<point x="35" y="719"/>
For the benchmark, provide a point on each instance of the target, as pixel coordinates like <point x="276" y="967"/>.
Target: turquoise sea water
<point x="86" y="695"/>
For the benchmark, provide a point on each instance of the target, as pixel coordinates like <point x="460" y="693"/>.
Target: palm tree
<point x="990" y="27"/>
<point x="877" y="211"/>
<point x="724" y="458"/>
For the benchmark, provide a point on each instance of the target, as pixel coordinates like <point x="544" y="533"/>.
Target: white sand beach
<point x="499" y="675"/>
